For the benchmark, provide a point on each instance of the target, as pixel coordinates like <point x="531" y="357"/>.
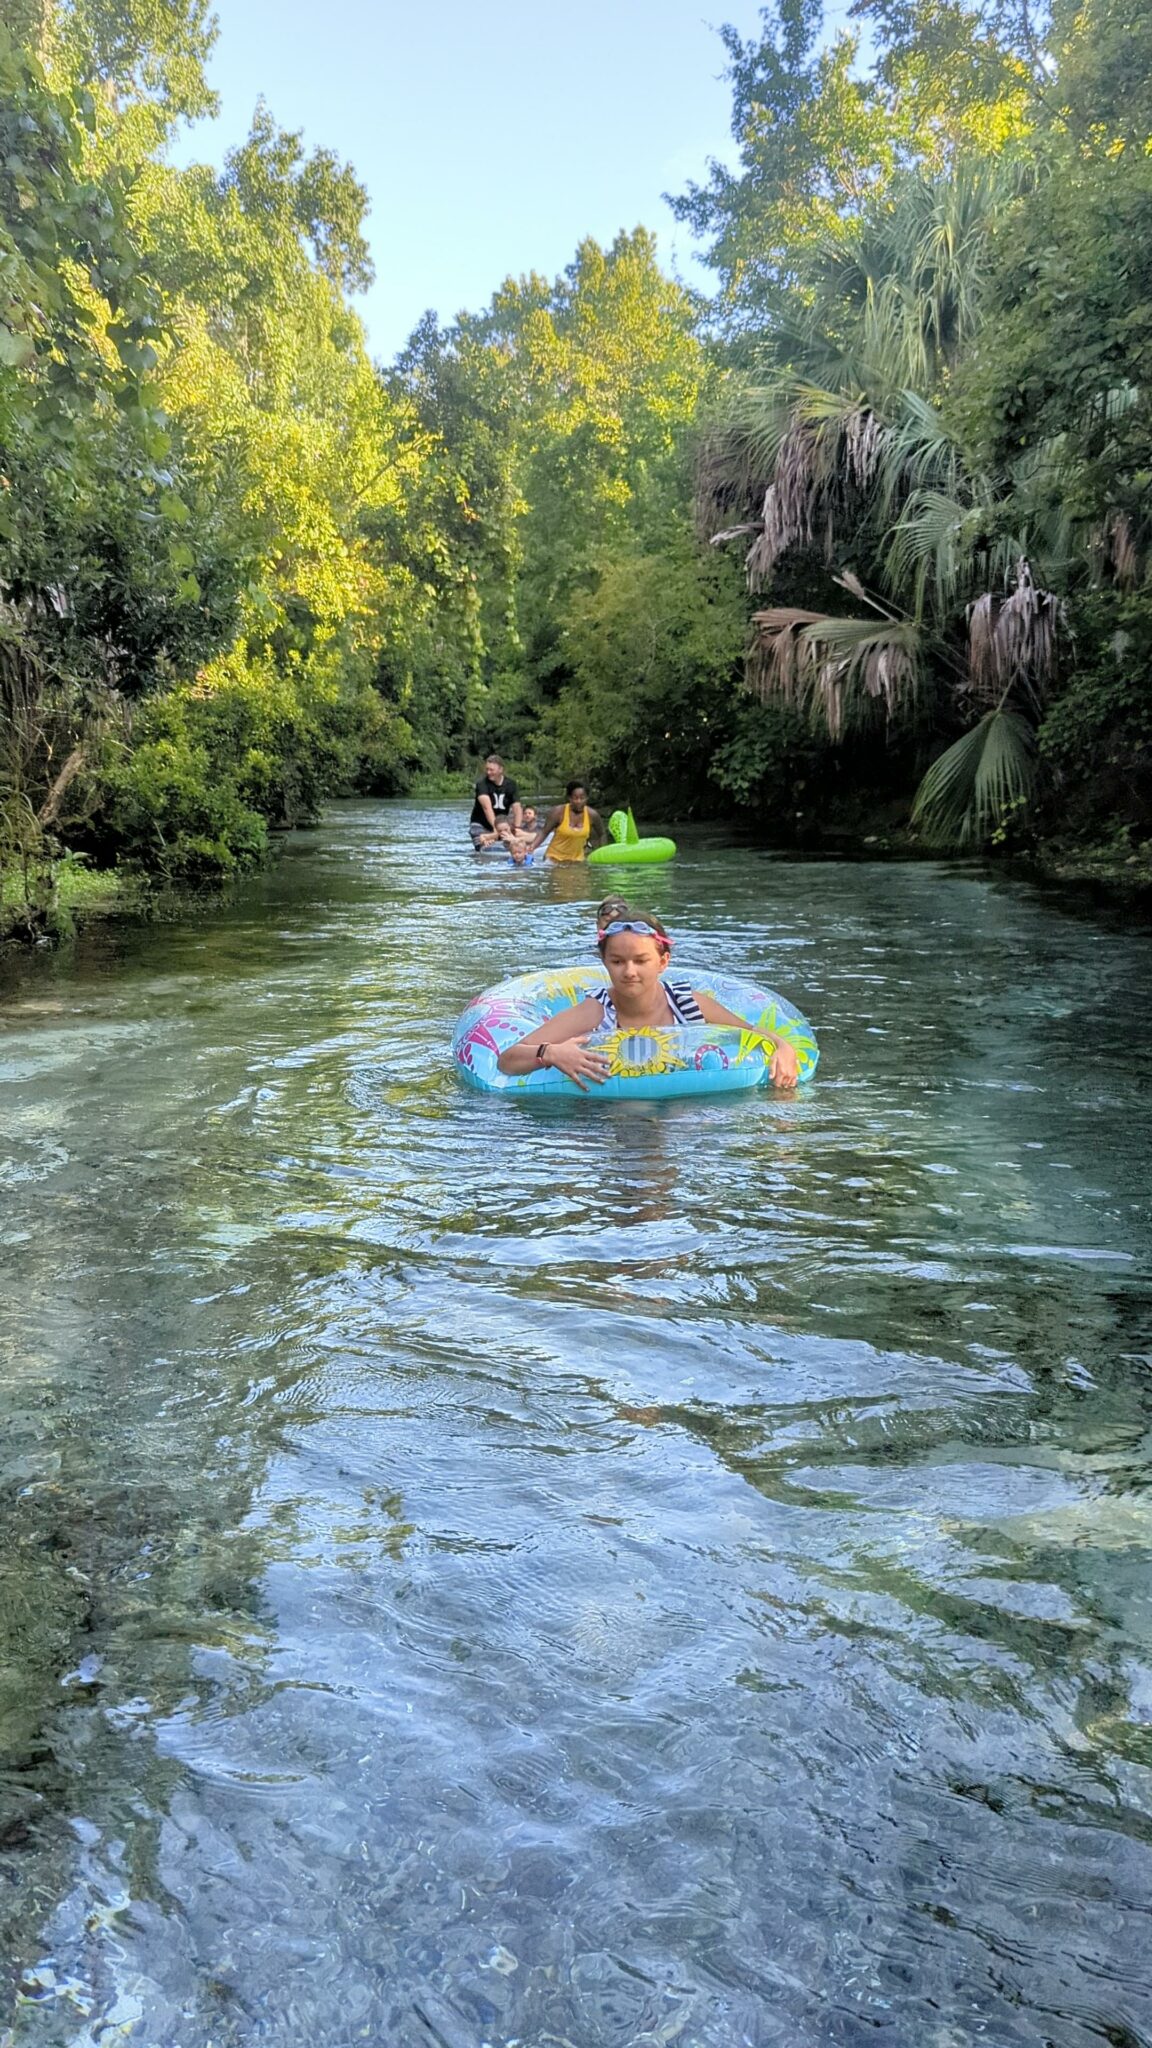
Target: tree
<point x="950" y="413"/>
<point x="821" y="138"/>
<point x="224" y="547"/>
<point x="560" y="406"/>
<point x="94" y="591"/>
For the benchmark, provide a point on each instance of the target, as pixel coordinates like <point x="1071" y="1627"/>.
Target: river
<point x="576" y="1575"/>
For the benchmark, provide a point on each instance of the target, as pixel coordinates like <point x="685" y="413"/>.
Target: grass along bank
<point x="50" y="903"/>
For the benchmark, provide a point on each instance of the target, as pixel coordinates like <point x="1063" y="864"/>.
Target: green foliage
<point x="143" y="59"/>
<point x="769" y="763"/>
<point x="213" y="764"/>
<point x="84" y="450"/>
<point x="652" y="648"/>
<point x="288" y="197"/>
<point x="66" y="892"/>
<point x="240" y="568"/>
<point x="97" y="533"/>
<point x="1096" y="740"/>
<point x="210" y="507"/>
<point x="951" y="409"/>
<point x="563" y="410"/>
<point x="982" y="781"/>
<point x="176" y="813"/>
<point x="821" y="138"/>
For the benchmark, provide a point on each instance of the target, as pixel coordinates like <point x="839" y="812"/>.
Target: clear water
<point x="593" y="1575"/>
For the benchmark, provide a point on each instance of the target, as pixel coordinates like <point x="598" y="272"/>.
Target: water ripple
<point x="576" y="1574"/>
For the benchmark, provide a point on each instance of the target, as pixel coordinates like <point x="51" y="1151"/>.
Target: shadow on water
<point x="576" y="1574"/>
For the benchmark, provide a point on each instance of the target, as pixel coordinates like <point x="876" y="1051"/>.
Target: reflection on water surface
<point x="488" y="1573"/>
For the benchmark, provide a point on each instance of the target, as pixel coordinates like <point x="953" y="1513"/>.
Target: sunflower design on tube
<point x="632" y="1053"/>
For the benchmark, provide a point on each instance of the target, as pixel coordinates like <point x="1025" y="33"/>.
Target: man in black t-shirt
<point x="496" y="803"/>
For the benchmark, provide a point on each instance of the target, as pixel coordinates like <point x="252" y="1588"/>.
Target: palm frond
<point x="843" y="447"/>
<point x="1116" y="403"/>
<point x="1118" y="549"/>
<point x="791" y="505"/>
<point x="823" y="460"/>
<point x="979" y="782"/>
<point x="912" y="273"/>
<point x="727" y="533"/>
<point x="757" y="419"/>
<point x="737" y="457"/>
<point x="926" y="548"/>
<point x="849" y="581"/>
<point x="1041" y="487"/>
<point x="851" y="433"/>
<point x="816" y="661"/>
<point x="924" y="452"/>
<point x="728" y="477"/>
<point x="1012" y="641"/>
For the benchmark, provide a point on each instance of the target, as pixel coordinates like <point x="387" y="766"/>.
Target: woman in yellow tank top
<point x="574" y="826"/>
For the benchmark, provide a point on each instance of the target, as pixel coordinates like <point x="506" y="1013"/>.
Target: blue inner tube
<point x="683" y="1059"/>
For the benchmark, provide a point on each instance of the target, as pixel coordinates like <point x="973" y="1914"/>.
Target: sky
<point x="491" y="137"/>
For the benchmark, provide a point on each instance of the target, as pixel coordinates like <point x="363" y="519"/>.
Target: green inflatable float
<point x="626" y="845"/>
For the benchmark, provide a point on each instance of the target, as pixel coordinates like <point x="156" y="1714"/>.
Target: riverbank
<point x="1115" y="867"/>
<point x="59" y="900"/>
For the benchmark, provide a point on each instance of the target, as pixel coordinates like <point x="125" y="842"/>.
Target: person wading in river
<point x="496" y="802"/>
<point x="573" y="827"/>
<point x="638" y="997"/>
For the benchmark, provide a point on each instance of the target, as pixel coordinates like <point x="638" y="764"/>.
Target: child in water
<point x="519" y="842"/>
<point x="610" y="911"/>
<point x="638" y="997"/>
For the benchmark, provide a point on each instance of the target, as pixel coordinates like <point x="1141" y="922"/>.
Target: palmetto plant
<point x="844" y="449"/>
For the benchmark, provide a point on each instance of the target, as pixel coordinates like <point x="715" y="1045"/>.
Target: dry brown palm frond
<point x="737" y="454"/>
<point x="849" y="581"/>
<point x="723" y="485"/>
<point x="846" y="424"/>
<point x="1026" y="630"/>
<point x="773" y="666"/>
<point x="1114" y="551"/>
<point x="717" y="540"/>
<point x="772" y="539"/>
<point x="809" y="456"/>
<point x="877" y="656"/>
<point x="1125" y="558"/>
<point x="769" y="544"/>
<point x="865" y="442"/>
<point x="814" y="660"/>
<point x="730" y="475"/>
<point x="983" y="653"/>
<point x="1012" y="641"/>
<point x="790" y="504"/>
<point x="801" y="502"/>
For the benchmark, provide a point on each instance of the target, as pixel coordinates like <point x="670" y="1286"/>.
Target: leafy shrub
<point x="653" y="652"/>
<point x="1096" y="741"/>
<point x="768" y="760"/>
<point x="250" y="744"/>
<point x="171" y="816"/>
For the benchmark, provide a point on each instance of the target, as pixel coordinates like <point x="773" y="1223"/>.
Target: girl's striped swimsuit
<point x="681" y="1001"/>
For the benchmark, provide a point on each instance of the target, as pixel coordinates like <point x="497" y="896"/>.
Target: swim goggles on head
<point x="647" y="931"/>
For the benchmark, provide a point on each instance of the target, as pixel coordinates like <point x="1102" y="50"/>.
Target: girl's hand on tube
<point x="784" y="1067"/>
<point x="572" y="1057"/>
